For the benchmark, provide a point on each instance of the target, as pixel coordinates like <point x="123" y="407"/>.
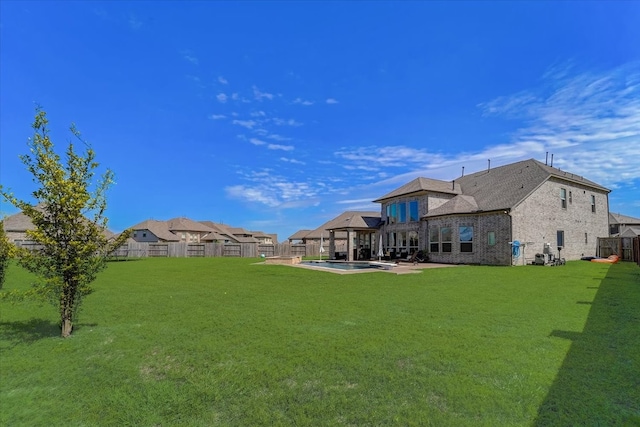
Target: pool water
<point x="340" y="265"/>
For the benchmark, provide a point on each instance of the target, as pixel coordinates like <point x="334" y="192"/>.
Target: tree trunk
<point x="67" y="327"/>
<point x="66" y="309"/>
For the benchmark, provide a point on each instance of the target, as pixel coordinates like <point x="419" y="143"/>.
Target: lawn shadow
<point x="599" y="380"/>
<point x="28" y="331"/>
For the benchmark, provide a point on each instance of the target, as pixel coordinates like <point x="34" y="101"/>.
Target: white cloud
<point x="332" y="101"/>
<point x="294" y="161"/>
<point x="280" y="147"/>
<point x="217" y="116"/>
<point x="260" y="96"/>
<point x="285" y="122"/>
<point x="188" y="56"/>
<point x="222" y="98"/>
<point x="134" y="22"/>
<point x="258" y="114"/>
<point x="302" y="101"/>
<point x="222" y="80"/>
<point x="277" y="137"/>
<point x="273" y="191"/>
<point x="589" y="121"/>
<point x="249" y="124"/>
<point x="256" y="141"/>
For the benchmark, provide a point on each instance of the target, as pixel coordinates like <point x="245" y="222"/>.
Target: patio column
<point x="332" y="244"/>
<point x="350" y="244"/>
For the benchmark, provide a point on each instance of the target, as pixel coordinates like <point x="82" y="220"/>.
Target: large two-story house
<point x="499" y="216"/>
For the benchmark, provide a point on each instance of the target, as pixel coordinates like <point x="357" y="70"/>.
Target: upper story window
<point x="593" y="203"/>
<point x="570" y="197"/>
<point x="402" y="212"/>
<point x="563" y="198"/>
<point x="560" y="238"/>
<point x="413" y="211"/>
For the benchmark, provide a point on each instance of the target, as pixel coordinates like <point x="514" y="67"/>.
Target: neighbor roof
<point x="17" y="222"/>
<point x="622" y="219"/>
<point x="159" y="228"/>
<point x="186" y="224"/>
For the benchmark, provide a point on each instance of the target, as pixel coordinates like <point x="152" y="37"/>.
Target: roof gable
<point x="423" y="185"/>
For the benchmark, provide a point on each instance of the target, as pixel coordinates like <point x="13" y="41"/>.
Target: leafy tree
<point x="70" y="223"/>
<point x="5" y="253"/>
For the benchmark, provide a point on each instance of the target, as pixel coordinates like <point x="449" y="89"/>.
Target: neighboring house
<point x="16" y="226"/>
<point x="173" y="230"/>
<point x="153" y="231"/>
<point x="299" y="236"/>
<point x="499" y="216"/>
<point x="623" y="226"/>
<point x="225" y="234"/>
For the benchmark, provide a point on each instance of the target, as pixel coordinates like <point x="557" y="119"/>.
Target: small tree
<point x="70" y="223"/>
<point x="5" y="253"/>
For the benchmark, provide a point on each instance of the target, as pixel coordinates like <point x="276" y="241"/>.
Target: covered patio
<point x="363" y="238"/>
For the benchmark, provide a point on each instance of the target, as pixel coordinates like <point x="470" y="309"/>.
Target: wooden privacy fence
<point x="244" y="250"/>
<point x="625" y="247"/>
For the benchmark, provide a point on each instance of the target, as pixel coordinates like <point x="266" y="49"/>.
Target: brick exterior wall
<point x="426" y="201"/>
<point x="538" y="218"/>
<point x="482" y="253"/>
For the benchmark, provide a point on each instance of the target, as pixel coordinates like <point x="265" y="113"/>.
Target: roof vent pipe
<point x="453" y="184"/>
<point x="551" y="160"/>
<point x="463" y="171"/>
<point x="489" y="165"/>
<point x="546" y="159"/>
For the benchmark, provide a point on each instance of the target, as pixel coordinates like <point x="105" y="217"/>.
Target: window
<point x="570" y="197"/>
<point x="402" y="240"/>
<point x="563" y="198"/>
<point x="402" y="212"/>
<point x="466" y="239"/>
<point x="491" y="238"/>
<point x="445" y="235"/>
<point x="413" y="241"/>
<point x="413" y="211"/>
<point x="392" y="218"/>
<point x="388" y="214"/>
<point x="586" y="238"/>
<point x="593" y="203"/>
<point x="434" y="239"/>
<point x="144" y="234"/>
<point x="560" y="238"/>
<point x="135" y="234"/>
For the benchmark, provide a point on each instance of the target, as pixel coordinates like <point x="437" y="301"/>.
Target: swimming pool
<point x="341" y="265"/>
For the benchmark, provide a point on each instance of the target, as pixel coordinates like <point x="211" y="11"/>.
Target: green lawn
<point x="201" y="342"/>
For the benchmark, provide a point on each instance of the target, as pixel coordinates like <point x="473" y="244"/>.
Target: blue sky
<point x="278" y="116"/>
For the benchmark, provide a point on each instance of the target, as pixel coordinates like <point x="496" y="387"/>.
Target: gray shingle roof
<point x="622" y="219"/>
<point x="17" y="223"/>
<point x="186" y="224"/>
<point x="422" y="185"/>
<point x="349" y="219"/>
<point x="504" y="187"/>
<point x="159" y="228"/>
